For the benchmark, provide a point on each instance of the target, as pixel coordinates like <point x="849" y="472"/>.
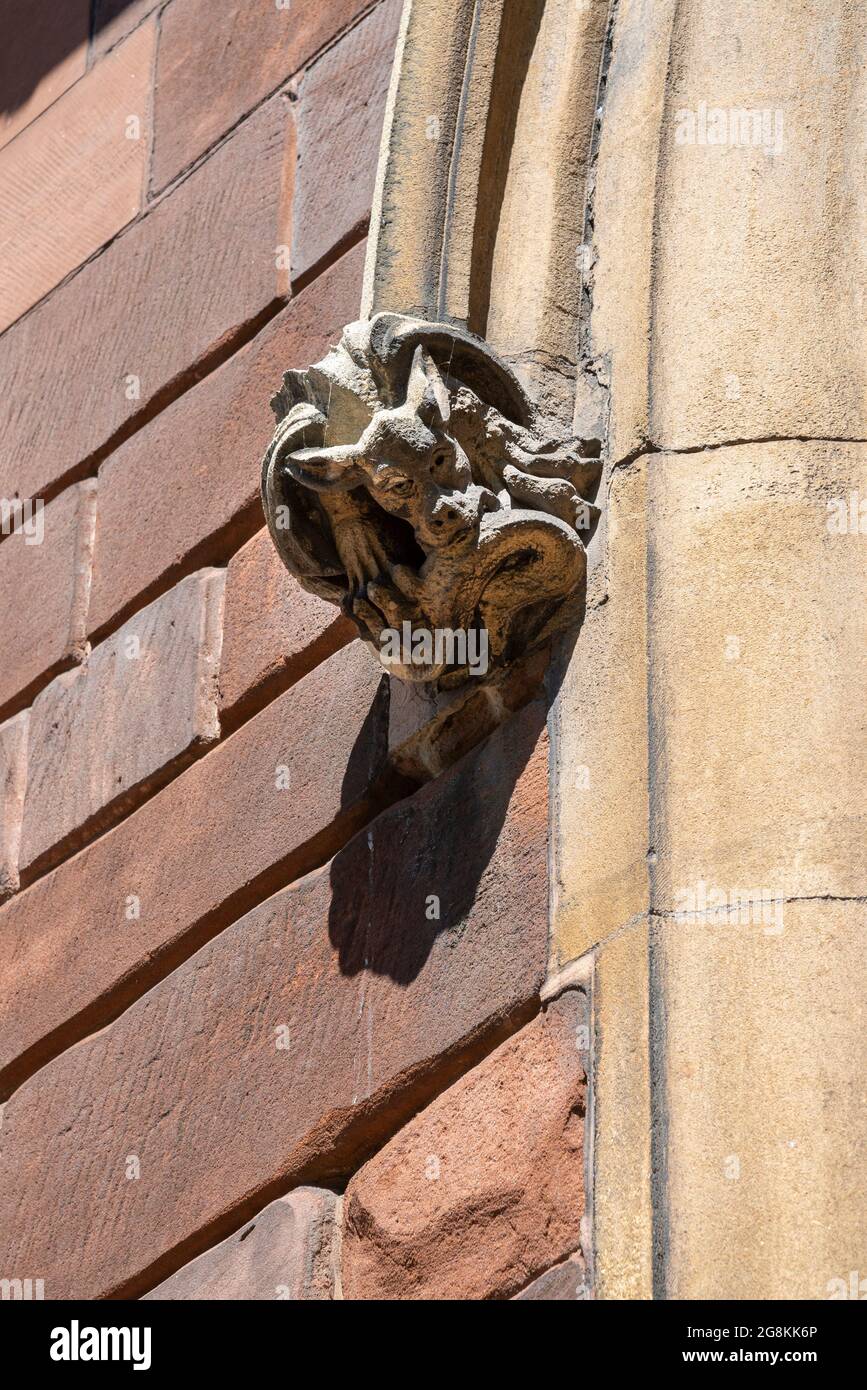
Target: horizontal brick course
<point x="216" y="62"/>
<point x="111" y="729"/>
<point x="43" y="50"/>
<point x="274" y="631"/>
<point x="13" y="780"/>
<point x="271" y="802"/>
<point x="44" y="590"/>
<point x="289" y="1045"/>
<point x="75" y="177"/>
<point x="485" y="1188"/>
<point x="340" y="113"/>
<point x="170" y="291"/>
<point x="185" y="489"/>
<point x="560" y="1284"/>
<point x="114" y="19"/>
<point x="288" y="1251"/>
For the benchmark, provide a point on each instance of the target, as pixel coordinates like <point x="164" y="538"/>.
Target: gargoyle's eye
<point x="398" y="487"/>
<point x="440" y="459"/>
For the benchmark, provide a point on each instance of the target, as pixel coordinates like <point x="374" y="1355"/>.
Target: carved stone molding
<point x="409" y="483"/>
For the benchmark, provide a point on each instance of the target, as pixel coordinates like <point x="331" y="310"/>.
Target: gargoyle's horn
<point x="426" y="391"/>
<point x="299" y="545"/>
<point x="394" y="339"/>
<point x="303" y="427"/>
<point x="294" y="390"/>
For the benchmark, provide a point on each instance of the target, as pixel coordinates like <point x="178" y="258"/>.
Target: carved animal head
<point x="407" y="481"/>
<point x="409" y="462"/>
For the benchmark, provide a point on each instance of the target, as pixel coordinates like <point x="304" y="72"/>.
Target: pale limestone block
<point x="757" y="620"/>
<point x="760" y="1093"/>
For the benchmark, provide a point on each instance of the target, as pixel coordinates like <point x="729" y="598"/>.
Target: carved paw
<point x="394" y="606"/>
<point x="362" y="555"/>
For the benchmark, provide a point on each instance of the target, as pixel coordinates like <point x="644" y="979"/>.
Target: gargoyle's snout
<point x="454" y="514"/>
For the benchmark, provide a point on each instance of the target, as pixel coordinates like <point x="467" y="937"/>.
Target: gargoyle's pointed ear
<point x="327" y="470"/>
<point x="426" y="391"/>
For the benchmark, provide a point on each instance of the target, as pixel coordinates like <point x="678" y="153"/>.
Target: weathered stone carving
<point x="408" y="482"/>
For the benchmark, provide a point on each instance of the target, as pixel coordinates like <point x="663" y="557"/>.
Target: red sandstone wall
<point x="246" y="967"/>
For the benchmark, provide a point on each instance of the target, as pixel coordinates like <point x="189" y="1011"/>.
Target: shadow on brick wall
<point x="466" y="845"/>
<point x="36" y="36"/>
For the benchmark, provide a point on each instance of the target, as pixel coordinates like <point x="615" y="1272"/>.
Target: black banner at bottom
<point x="148" y="1338"/>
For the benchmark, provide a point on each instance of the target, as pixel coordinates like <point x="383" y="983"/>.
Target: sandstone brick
<point x="44" y="586"/>
<point x="763" y="1027"/>
<point x="43" y="50"/>
<point x="270" y="803"/>
<point x="773" y="805"/>
<point x="288" y="1252"/>
<point x="623" y="1094"/>
<point x="274" y="631"/>
<point x="290" y="1045"/>
<point x="114" y="19"/>
<point x="112" y="728"/>
<point x="601" y="835"/>
<point x="692" y="363"/>
<point x="185" y="490"/>
<point x="217" y="62"/>
<point x="340" y="115"/>
<point x="485" y="1188"/>
<point x="13" y="779"/>
<point x="784" y="218"/>
<point x="75" y="177"/>
<point x="565" y="1281"/>
<point x="624" y="207"/>
<point x="144" y="315"/>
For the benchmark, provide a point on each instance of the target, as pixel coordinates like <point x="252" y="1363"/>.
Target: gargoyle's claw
<point x="407" y="581"/>
<point x="391" y="603"/>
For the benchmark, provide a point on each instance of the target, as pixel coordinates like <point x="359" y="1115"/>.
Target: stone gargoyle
<point x="408" y="482"/>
